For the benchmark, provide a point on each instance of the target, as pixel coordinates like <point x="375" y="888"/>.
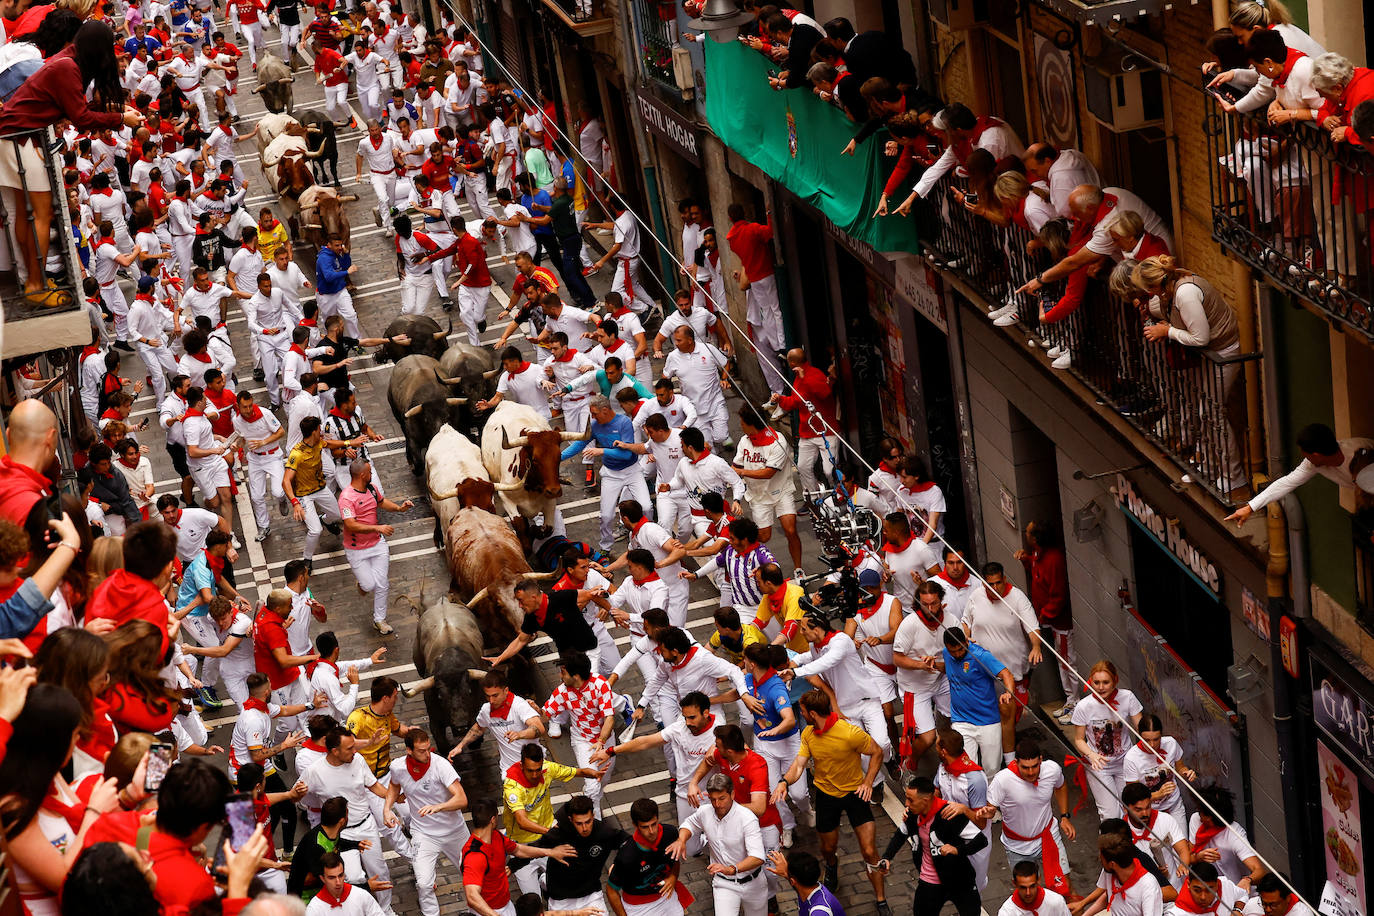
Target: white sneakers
<point x="1062" y="362"/>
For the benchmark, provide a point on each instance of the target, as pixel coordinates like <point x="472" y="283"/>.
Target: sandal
<point x="49" y="298"/>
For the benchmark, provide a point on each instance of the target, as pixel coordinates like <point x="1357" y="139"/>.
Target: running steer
<point x="426" y="338"/>
<point x="487" y="561"/>
<point x="448" y="651"/>
<point x="456" y="478"/>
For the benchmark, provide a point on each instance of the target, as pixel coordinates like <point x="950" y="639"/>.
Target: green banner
<point x="796" y="139"/>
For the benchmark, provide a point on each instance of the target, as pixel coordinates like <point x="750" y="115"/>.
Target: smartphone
<point x="159" y="762"/>
<point x="971" y="197"/>
<point x="238" y="811"/>
<point x="933" y="149"/>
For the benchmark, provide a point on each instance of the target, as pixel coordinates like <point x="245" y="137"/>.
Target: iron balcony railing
<point x="658" y="35"/>
<point x="1293" y="203"/>
<point x="1188" y="401"/>
<point x="54" y="314"/>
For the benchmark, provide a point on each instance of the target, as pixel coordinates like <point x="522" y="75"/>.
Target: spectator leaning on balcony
<point x="1061" y="170"/>
<point x="872" y="53"/>
<point x="965" y="132"/>
<point x="1271" y="15"/>
<point x="799" y="39"/>
<point x="1341" y="461"/>
<point x="1128" y="232"/>
<point x="886" y="102"/>
<point x="918" y="145"/>
<point x="1343" y="86"/>
<point x="838" y="86"/>
<point x="1285" y="81"/>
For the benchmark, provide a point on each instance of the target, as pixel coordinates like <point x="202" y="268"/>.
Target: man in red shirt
<point x="272" y="655"/>
<point x="474" y="278"/>
<point x="752" y="243"/>
<point x="817" y="424"/>
<point x="748" y="772"/>
<point x="486" y="883"/>
<point x="190" y="804"/>
<point x="331" y="70"/>
<point x="135" y="591"/>
<point x="1048" y="573"/>
<point x="24" y="486"/>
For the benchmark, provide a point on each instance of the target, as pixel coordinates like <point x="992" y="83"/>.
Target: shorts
<point x="28" y="155"/>
<point x="211" y="479"/>
<point x="178" y="453"/>
<point x="829" y="808"/>
<point x="917" y="715"/>
<point x="762" y="510"/>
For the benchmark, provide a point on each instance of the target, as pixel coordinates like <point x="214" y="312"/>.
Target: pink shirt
<point x="360" y="506"/>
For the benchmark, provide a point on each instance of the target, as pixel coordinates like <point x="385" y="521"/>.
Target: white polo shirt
<point x="634" y="598"/>
<point x="192" y="527"/>
<point x="431" y="787"/>
<point x="1233" y="845"/>
<point x="627" y="235"/>
<point x="699" y="371"/>
<point x="1001" y="627"/>
<point x="915" y="640"/>
<point x="917" y="556"/>
<point x="732" y="838"/>
<point x="666" y="454"/>
<point x="354" y="782"/>
<point x="526" y="387"/>
<point x="678" y="414"/>
<point x="252" y="729"/>
<point x="204" y="303"/>
<point x="510" y="718"/>
<point x="377" y="156"/>
<point x="1026" y="807"/>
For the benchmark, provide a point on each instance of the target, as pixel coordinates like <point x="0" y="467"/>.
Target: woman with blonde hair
<point x="1189" y="316"/>
<point x="1101" y="736"/>
<point x="1250" y="16"/>
<point x="107" y="555"/>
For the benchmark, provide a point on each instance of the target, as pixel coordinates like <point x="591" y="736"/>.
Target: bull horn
<point x="422" y="684"/>
<point x="477" y="598"/>
<point x="540" y="577"/>
<point x="577" y="437"/>
<point x="451" y="381"/>
<point x="456" y="402"/>
<point x="440" y="334"/>
<point x="413" y="411"/>
<point x="476" y="674"/>
<point x="315" y="155"/>
<point x="508" y="487"/>
<point x="311" y="226"/>
<point x="309" y="128"/>
<point x="437" y="497"/>
<point x="520" y="441"/>
<point x="492" y="373"/>
<point x="348" y="197"/>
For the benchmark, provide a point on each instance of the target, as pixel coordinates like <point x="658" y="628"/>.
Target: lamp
<point x="721" y="20"/>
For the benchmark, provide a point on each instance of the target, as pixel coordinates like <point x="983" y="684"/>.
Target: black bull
<point x="422" y="404"/>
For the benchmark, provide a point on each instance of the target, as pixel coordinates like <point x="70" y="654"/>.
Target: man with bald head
<point x="1062" y="170"/>
<point x="24" y="480"/>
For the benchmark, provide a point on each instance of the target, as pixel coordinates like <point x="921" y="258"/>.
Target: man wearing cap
<point x="145" y="328"/>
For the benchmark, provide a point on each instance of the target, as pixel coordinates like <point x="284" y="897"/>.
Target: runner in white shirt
<point x="737" y="852"/>
<point x="1156" y="833"/>
<point x="921" y="635"/>
<point x="340" y="896"/>
<point x="515" y="219"/>
<point x="632" y="329"/>
<point x="701" y="471"/>
<point x="108" y="202"/>
<point x="667" y="403"/>
<point x="908" y="560"/>
<point x="699" y="318"/>
<point x="701" y="369"/>
<point x="1129" y="887"/>
<point x="575" y="376"/>
<point x="330" y="676"/>
<point x="434" y="793"/>
<point x="305" y="404"/>
<point x="624" y="251"/>
<point x="367" y="69"/>
<point x="1207" y="893"/>
<point x="510" y="720"/>
<point x="764" y="460"/>
<point x="262" y="439"/>
<point x="376" y="160"/>
<point x="149" y="338"/>
<point x="663" y="446"/>
<point x="521" y="382"/>
<point x="1029" y="897"/>
<point x="955" y="579"/>
<point x="999" y="617"/>
<point x="1033" y="799"/>
<point x="1101" y="737"/>
<point x="654" y="538"/>
<point x="1225" y="845"/>
<point x="253" y="729"/>
<point x="1148" y="762"/>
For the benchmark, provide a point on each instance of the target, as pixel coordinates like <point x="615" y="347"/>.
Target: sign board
<point x="1342" y="843"/>
<point x="679" y="131"/>
<point x="1008" y="506"/>
<point x="920" y="287"/>
<point x="1345" y="716"/>
<point x="1169" y="534"/>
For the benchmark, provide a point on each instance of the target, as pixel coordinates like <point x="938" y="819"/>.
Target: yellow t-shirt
<point x="751" y="635"/>
<point x="791" y="610"/>
<point x="364" y="723"/>
<point x="270" y="241"/>
<point x="534" y="800"/>
<point x="837" y="755"/>
<point x="309" y="468"/>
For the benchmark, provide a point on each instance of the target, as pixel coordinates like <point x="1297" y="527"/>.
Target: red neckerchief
<point x="86" y="351"/>
<point x="1109" y="699"/>
<point x="253" y="415"/>
<point x="73" y="814"/>
<point x="312" y="745"/>
<point x="893" y="548"/>
<point x="296" y="348"/>
<point x="542" y="612"/>
<point x="524" y="364"/>
<point x="644" y="841"/>
<point x="634" y="529"/>
<point x="192" y="413"/>
<point x="766" y="437"/>
<point x="827" y="725"/>
<point x="105" y="241"/>
<point x="872" y="609"/>
<point x="112" y="413"/>
<point x="146" y="297"/>
<point x="886" y="468"/>
<point x="518" y="774"/>
<point x="702" y="457"/>
<point x="336" y="412"/>
<point x="1289" y="61"/>
<point x="920" y="487"/>
<point x="568" y="354"/>
<point x="760" y="681"/>
<point x="932" y="623"/>
<point x="1205" y="835"/>
<point x="779" y="597"/>
<point x="201" y="357"/>
<point x="651" y="577"/>
<point x="1158" y="754"/>
<point x="615" y="344"/>
<point x="710" y="724"/>
<point x="1185" y="902"/>
<point x="568" y="584"/>
<point x="1149" y="827"/>
<point x="936" y="804"/>
<point x="104" y="192"/>
<point x="962" y="764"/>
<point x="964" y="146"/>
<point x="1034" y="907"/>
<point x="959" y="583"/>
<point x="416" y="769"/>
<point x="254" y="703"/>
<point x="502" y="711"/>
<point x="1017" y="770"/>
<point x="377" y="144"/>
<point x="323" y="894"/>
<point x="132" y="467"/>
<point x="686" y="658"/>
<point x="1136" y="874"/>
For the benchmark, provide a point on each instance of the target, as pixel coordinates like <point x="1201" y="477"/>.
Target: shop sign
<point x="1342" y="840"/>
<point x="680" y="132"/>
<point x="1169" y="534"/>
<point x="877" y="264"/>
<point x="919" y="285"/>
<point x="1343" y="714"/>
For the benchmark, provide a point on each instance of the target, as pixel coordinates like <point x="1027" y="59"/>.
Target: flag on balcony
<point x="796" y="139"/>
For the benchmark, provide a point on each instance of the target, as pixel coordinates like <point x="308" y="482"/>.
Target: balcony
<point x="1292" y="204"/>
<point x="1191" y="405"/>
<point x="60" y="320"/>
<point x="586" y="18"/>
<point x="657" y="30"/>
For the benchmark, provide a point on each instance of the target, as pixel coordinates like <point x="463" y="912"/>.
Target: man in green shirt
<point x="304" y="878"/>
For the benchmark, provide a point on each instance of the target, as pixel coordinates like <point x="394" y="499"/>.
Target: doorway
<point x="1194" y="623"/>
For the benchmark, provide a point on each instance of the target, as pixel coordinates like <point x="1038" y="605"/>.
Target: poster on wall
<point x="1342" y="843"/>
<point x="1054" y="83"/>
<point x="893" y="397"/>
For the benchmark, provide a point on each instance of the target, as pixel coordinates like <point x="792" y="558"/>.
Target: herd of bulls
<point x="433" y="393"/>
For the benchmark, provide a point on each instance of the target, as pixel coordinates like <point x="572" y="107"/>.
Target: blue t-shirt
<point x="196" y="576"/>
<point x="543" y="199"/>
<point x="973" y="686"/>
<point x="775" y="698"/>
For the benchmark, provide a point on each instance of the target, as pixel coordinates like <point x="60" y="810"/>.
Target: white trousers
<point x="868" y="715"/>
<point x="415" y="292"/>
<point x="158" y="361"/>
<point x="983" y="743"/>
<point x="808" y="450"/>
<point x="372" y="568"/>
<point x="341" y="304"/>
<point x="472" y="308"/>
<point x="264" y="474"/>
<point x="1106" y="785"/>
<point x="626" y="483"/>
<point x="384" y="187"/>
<point x="202" y="630"/>
<point x="765" y="323"/>
<point x="576" y="413"/>
<point x="373" y="862"/>
<point x="673" y="508"/>
<point x="582" y="749"/>
<point x="114" y="300"/>
<point x="734" y="899"/>
<point x="779" y="756"/>
<point x="182" y="246"/>
<point x="252" y="36"/>
<point x="627" y="282"/>
<point x="475" y="190"/>
<point x="317" y="505"/>
<point x="370" y="101"/>
<point x="290" y="38"/>
<point x="663" y="906"/>
<point x="273" y="351"/>
<point x="714" y="425"/>
<point x="336" y="103"/>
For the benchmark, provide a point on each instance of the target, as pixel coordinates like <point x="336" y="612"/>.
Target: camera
<point x="843" y="530"/>
<point x="971" y="197"/>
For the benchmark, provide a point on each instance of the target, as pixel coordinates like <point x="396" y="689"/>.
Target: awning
<point x="796" y="139"/>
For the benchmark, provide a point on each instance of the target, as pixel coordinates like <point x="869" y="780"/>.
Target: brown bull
<point x="486" y="560"/>
<point x="323" y="213"/>
<point x="293" y="175"/>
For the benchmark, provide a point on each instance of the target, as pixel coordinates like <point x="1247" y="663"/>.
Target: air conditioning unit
<point x="959" y="15"/>
<point x="682" y="72"/>
<point x="1121" y="94"/>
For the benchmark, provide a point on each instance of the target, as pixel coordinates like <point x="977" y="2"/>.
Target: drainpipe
<point x="1285" y="574"/>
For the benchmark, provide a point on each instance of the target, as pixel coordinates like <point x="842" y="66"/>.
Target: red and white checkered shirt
<point x="588" y="708"/>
